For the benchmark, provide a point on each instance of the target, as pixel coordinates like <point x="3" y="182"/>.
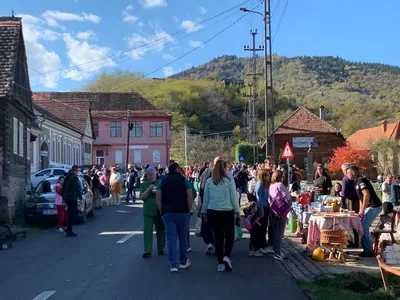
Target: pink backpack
<point x="247" y="223"/>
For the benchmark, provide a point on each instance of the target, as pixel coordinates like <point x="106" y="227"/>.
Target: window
<point x="100" y="157"/>
<point x="137" y="130"/>
<point x="53" y="149"/>
<point x="115" y="128"/>
<point x="15" y="136"/>
<point x="156" y="156"/>
<point x="70" y="154"/>
<point x="88" y="148"/>
<point x="45" y="187"/>
<point x="43" y="173"/>
<point x="65" y="154"/>
<point x="21" y="139"/>
<point x="118" y="156"/>
<point x="28" y="143"/>
<point x="156" y="129"/>
<point x="137" y="156"/>
<point x="59" y="150"/>
<point x="58" y="172"/>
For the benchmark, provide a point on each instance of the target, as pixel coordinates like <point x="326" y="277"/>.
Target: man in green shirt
<point x="151" y="215"/>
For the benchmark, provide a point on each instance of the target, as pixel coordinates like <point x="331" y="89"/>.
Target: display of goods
<point x="318" y="254"/>
<point x="329" y="236"/>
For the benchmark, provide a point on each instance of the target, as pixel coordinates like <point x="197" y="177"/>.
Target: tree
<point x="386" y="154"/>
<point x="360" y="158"/>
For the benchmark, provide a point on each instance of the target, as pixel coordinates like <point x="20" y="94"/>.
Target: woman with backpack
<point x="60" y="204"/>
<point x="279" y="204"/>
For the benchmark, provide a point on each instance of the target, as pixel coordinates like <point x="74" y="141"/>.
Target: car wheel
<point x="27" y="221"/>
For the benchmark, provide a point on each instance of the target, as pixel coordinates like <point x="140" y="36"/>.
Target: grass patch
<point x="352" y="286"/>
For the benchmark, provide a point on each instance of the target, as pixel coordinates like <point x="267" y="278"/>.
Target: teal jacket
<point x="221" y="197"/>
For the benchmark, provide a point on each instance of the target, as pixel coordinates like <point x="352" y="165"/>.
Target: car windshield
<point x="46" y="186"/>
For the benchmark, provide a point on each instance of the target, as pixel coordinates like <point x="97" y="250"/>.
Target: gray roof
<point x="10" y="33"/>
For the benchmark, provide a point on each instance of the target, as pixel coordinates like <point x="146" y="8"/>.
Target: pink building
<point x="149" y="139"/>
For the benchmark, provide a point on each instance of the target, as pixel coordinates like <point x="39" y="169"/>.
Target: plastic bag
<point x="198" y="227"/>
<point x="238" y="233"/>
<point x="195" y="205"/>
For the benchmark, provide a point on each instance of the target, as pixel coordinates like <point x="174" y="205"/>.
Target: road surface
<point x="105" y="262"/>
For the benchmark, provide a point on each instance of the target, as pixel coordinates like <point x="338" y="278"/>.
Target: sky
<point x="70" y="42"/>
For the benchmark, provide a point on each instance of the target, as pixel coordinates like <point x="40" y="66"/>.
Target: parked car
<point x="40" y="206"/>
<point x="37" y="177"/>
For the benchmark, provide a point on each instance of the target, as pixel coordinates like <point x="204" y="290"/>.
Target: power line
<point x="280" y="21"/>
<point x="153" y="42"/>
<point x="276" y="8"/>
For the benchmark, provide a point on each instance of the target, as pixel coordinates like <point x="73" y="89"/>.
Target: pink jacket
<point x="277" y="188"/>
<point x="58" y="190"/>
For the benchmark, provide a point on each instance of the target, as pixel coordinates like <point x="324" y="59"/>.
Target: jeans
<point x="72" y="214"/>
<point x="370" y="215"/>
<point x="256" y="237"/>
<point x="266" y="226"/>
<point x="188" y="233"/>
<point x="131" y="193"/>
<point x="176" y="226"/>
<point x="279" y="231"/>
<point x="223" y="226"/>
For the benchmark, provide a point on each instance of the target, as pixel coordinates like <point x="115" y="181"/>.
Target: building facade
<point x="16" y="117"/>
<point x="304" y="128"/>
<point x="65" y="133"/>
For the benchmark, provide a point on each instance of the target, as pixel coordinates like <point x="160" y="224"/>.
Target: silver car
<point x="40" y="205"/>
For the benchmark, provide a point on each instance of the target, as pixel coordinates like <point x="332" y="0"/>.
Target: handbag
<point x="195" y="205"/>
<point x="238" y="233"/>
<point x="198" y="227"/>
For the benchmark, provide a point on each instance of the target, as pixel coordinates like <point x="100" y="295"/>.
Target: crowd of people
<point x="169" y="195"/>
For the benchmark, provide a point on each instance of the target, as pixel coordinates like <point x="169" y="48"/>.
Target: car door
<point x="39" y="176"/>
<point x="87" y="193"/>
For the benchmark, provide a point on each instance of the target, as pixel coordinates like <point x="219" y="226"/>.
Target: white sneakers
<point x="266" y="251"/>
<point x="60" y="230"/>
<point x="187" y="265"/>
<point x="221" y="268"/>
<point x="228" y="264"/>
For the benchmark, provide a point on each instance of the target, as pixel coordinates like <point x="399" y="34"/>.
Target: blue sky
<point x="71" y="41"/>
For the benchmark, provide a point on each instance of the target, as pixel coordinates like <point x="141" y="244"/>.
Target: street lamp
<point x="265" y="70"/>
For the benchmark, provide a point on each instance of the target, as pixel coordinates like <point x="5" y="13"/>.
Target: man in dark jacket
<point x="132" y="180"/>
<point x="72" y="191"/>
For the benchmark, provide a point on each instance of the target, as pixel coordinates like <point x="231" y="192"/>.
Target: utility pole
<point x="186" y="149"/>
<point x="268" y="68"/>
<point x="130" y="127"/>
<point x="253" y="103"/>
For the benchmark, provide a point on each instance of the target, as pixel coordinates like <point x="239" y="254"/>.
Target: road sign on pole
<point x="242" y="158"/>
<point x="287" y="151"/>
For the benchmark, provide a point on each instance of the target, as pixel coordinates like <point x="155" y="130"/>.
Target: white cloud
<point x="148" y="43"/>
<point x="52" y="16"/>
<point x="87" y="58"/>
<point x="169" y="71"/>
<point x="167" y="56"/>
<point x="195" y="44"/>
<point x="202" y="10"/>
<point x="190" y="26"/>
<point x="153" y="3"/>
<point x="176" y="19"/>
<point x="29" y="19"/>
<point x="127" y="17"/>
<point x="86" y="35"/>
<point x="39" y="58"/>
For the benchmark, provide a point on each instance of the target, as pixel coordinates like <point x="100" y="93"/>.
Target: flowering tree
<point x="360" y="158"/>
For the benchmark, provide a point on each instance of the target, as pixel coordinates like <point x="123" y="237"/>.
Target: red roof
<point x="304" y="121"/>
<point x="363" y="138"/>
<point x="73" y="112"/>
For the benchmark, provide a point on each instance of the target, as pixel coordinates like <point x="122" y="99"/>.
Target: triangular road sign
<point x="287" y="152"/>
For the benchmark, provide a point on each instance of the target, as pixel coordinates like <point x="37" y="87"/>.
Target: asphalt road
<point x="105" y="262"/>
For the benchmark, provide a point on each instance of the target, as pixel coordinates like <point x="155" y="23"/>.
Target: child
<point x="253" y="225"/>
<point x="338" y="189"/>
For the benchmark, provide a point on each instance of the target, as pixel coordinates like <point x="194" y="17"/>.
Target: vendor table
<point x="316" y="223"/>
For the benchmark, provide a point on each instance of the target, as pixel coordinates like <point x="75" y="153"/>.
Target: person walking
<point x="220" y="207"/>
<point x="279" y="195"/>
<point x="370" y="207"/>
<point x="174" y="198"/>
<point x="262" y="195"/>
<point x="115" y="179"/>
<point x="132" y="182"/>
<point x="395" y="191"/>
<point x="349" y="194"/>
<point x="242" y="182"/>
<point x="60" y="204"/>
<point x="96" y="186"/>
<point x="105" y="182"/>
<point x="72" y="191"/>
<point x="151" y="216"/>
<point x="323" y="181"/>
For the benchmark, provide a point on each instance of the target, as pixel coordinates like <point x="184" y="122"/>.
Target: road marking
<point x="125" y="238"/>
<point x="45" y="295"/>
<point x="123" y="211"/>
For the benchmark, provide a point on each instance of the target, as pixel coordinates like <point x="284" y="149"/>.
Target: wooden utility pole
<point x="186" y="149"/>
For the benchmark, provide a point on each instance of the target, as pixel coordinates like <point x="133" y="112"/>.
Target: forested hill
<point x="357" y="95"/>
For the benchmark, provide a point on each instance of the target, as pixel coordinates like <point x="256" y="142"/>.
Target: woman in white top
<point x="221" y="206"/>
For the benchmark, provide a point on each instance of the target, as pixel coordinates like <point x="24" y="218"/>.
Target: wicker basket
<point x="336" y="208"/>
<point x="329" y="236"/>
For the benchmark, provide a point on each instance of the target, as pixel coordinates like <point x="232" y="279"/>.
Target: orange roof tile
<point x="363" y="138"/>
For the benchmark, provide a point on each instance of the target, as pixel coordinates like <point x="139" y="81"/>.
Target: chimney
<point x="322" y="112"/>
<point x="384" y="126"/>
